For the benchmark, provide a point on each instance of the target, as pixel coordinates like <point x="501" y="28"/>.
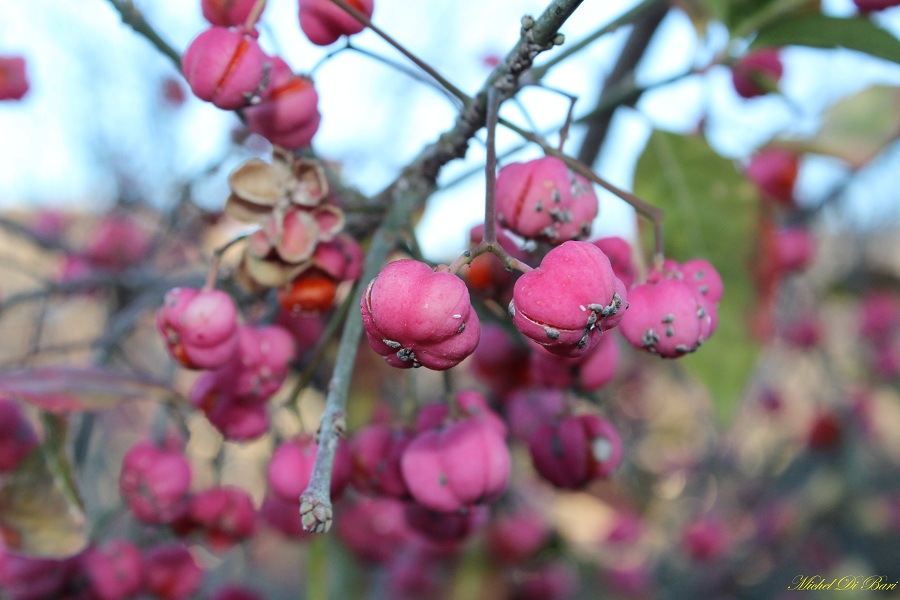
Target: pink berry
<point x="199" y="327"/>
<point x="154" y="482"/>
<point x="516" y="537"/>
<point x="620" y="256"/>
<point x="879" y="315"/>
<point x="324" y="22"/>
<point x="225" y="515"/>
<point x="283" y="516"/>
<point x="375" y="451"/>
<point x="263" y="360"/>
<point x="114" y="571"/>
<point x="236" y="418"/>
<point x="706" y="539"/>
<point x="796" y="248"/>
<point x="456" y="466"/>
<point x="117" y="242"/>
<point x="569" y="300"/>
<point x="415" y="316"/>
<point x="291" y="465"/>
<point x="704" y="278"/>
<point x="774" y="172"/>
<point x="486" y="273"/>
<point x="544" y="199"/>
<point x="13" y="78"/>
<point x="289" y="115"/>
<point x="227" y="13"/>
<point x="588" y="372"/>
<point x="17" y="436"/>
<point x="225" y="67"/>
<point x="575" y="450"/>
<point x="867" y="6"/>
<point x="444" y="527"/>
<point x="373" y="528"/>
<point x="757" y="73"/>
<point x="469" y="402"/>
<point x="172" y="572"/>
<point x="665" y="318"/>
<point x="30" y="578"/>
<point x="341" y="258"/>
<point x="530" y="407"/>
<point x="500" y="360"/>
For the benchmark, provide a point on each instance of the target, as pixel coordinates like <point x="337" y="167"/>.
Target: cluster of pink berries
<point x="226" y="66"/>
<point x="245" y="365"/>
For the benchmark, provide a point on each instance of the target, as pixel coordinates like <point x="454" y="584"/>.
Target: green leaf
<point x="857" y="127"/>
<point x="822" y="31"/>
<point x="711" y="213"/>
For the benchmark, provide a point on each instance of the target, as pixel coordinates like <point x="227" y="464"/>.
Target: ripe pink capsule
<point x="567" y="302"/>
<point x="774" y="172"/>
<point x="705" y="539"/>
<point x="416" y="317"/>
<point x="704" y="278"/>
<point x="114" y="571"/>
<point x="373" y="528"/>
<point x="13" y="79"/>
<point x="796" y="248"/>
<point x="154" y="483"/>
<point x="443" y="527"/>
<point x="225" y="67"/>
<point x="227" y="13"/>
<point x="324" y="22"/>
<point x="469" y="402"/>
<point x="588" y="372"/>
<point x="456" y="466"/>
<point x="289" y="116"/>
<point x="291" y="465"/>
<point x="544" y="199"/>
<point x="375" y="452"/>
<point x="172" y="572"/>
<point x="757" y="73"/>
<point x="528" y="408"/>
<point x="516" y="537"/>
<point x="235" y="417"/>
<point x="575" y="450"/>
<point x="619" y="253"/>
<point x="225" y="515"/>
<point x="199" y="327"/>
<point x="263" y="360"/>
<point x="666" y="317"/>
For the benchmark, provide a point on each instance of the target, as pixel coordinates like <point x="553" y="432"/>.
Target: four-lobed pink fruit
<point x="155" y="482"/>
<point x="13" y="78"/>
<point x="454" y="466"/>
<point x="324" y="22"/>
<point x="575" y="450"/>
<point x="774" y="172"/>
<point x="225" y="66"/>
<point x="227" y="13"/>
<point x="757" y="73"/>
<point x="569" y="300"/>
<point x="415" y="316"/>
<point x="289" y="114"/>
<point x="199" y="327"/>
<point x="544" y="199"/>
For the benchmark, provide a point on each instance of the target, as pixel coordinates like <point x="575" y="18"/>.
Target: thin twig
<point x="132" y="17"/>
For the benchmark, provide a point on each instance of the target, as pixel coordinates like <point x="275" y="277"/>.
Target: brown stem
<point x="490" y="170"/>
<point x="132" y="17"/>
<point x="255" y="14"/>
<point x="632" y="52"/>
<point x="483" y="247"/>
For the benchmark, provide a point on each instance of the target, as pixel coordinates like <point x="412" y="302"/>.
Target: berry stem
<point x="315" y="502"/>
<point x="490" y="169"/>
<point x="362" y="18"/>
<point x="132" y="17"/>
<point x="254" y="15"/>
<point x="217" y="259"/>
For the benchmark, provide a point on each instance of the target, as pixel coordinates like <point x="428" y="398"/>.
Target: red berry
<point x="867" y="6"/>
<point x="774" y="172"/>
<point x="225" y="67"/>
<point x="544" y="199"/>
<point x="324" y="22"/>
<point x="13" y="79"/>
<point x="569" y="300"/>
<point x="289" y="114"/>
<point x="415" y="316"/>
<point x="227" y="13"/>
<point x="310" y="292"/>
<point x="172" y="572"/>
<point x="456" y="466"/>
<point x="575" y="450"/>
<point x="225" y="515"/>
<point x="757" y="73"/>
